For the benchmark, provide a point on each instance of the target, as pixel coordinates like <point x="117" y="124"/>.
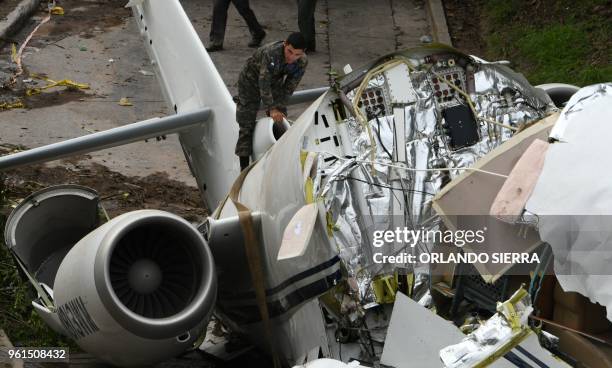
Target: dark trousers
<point x="246" y="116"/>
<point x="219" y="19"/>
<point x="306" y="22"/>
<point x="249" y="103"/>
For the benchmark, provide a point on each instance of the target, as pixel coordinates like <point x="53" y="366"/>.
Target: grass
<point x="551" y="41"/>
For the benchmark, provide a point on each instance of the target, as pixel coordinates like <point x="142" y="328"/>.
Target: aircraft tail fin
<point x="189" y="81"/>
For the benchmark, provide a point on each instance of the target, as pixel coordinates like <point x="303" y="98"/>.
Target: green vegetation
<point x="551" y="41"/>
<point x="17" y="317"/>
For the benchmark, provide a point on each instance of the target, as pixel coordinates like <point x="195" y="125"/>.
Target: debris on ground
<point x="57" y="10"/>
<point x="54" y="23"/>
<point x="124" y="101"/>
<point x="70" y="84"/>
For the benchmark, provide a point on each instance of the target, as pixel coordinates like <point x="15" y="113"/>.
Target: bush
<point x="562" y="41"/>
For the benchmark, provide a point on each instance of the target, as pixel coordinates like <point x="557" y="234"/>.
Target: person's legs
<point x="219" y="20"/>
<point x="246" y="115"/>
<point x="244" y="162"/>
<point x="306" y="22"/>
<point x="257" y="32"/>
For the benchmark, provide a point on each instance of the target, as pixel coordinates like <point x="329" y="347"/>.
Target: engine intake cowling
<point x="138" y="289"/>
<point x="134" y="291"/>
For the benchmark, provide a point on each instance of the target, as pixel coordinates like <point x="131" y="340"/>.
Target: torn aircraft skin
<point x="288" y="258"/>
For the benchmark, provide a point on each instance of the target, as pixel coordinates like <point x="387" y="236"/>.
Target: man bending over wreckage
<point x="269" y="76"/>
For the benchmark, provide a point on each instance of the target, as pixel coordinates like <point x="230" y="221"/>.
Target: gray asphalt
<point x="110" y="57"/>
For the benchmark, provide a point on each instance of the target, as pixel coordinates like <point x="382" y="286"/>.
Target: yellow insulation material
<point x="51" y="83"/>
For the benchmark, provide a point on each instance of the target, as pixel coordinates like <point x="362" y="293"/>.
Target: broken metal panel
<point x="482" y="185"/>
<point x="572" y="197"/>
<point x="290" y="284"/>
<point x="226" y="242"/>
<point x="294" y="334"/>
<point x="278" y="200"/>
<point x="465" y="202"/>
<point x="40" y="232"/>
<point x="504" y="338"/>
<point x="325" y="126"/>
<point x="416" y="334"/>
<point x="495" y="337"/>
<point x="530" y="348"/>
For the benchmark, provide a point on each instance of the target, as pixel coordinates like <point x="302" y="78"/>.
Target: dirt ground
<point x="118" y="192"/>
<point x="85" y="19"/>
<point x="77" y="21"/>
<point x="463" y="20"/>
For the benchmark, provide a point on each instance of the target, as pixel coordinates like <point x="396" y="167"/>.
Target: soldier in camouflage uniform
<point x="269" y="76"/>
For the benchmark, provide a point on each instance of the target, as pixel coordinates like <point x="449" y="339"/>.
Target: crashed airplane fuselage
<point x="367" y="156"/>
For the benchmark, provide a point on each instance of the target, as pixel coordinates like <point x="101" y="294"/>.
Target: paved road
<point x="96" y="42"/>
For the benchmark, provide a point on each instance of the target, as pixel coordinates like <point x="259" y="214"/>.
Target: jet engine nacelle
<point x="138" y="289"/>
<point x="135" y="291"/>
<point x="266" y="133"/>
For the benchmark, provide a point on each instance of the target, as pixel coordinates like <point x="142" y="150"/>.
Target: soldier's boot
<point x="244" y="162"/>
<point x="257" y="38"/>
<point x="214" y="47"/>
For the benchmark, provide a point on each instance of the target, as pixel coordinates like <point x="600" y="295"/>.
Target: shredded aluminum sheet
<point x="573" y="197"/>
<point x="495" y="333"/>
<point x="360" y="194"/>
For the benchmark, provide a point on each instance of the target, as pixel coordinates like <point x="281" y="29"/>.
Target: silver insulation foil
<point x="360" y="193"/>
<point x="506" y="328"/>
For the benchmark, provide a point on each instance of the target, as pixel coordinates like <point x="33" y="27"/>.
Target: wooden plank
<point x="510" y="201"/>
